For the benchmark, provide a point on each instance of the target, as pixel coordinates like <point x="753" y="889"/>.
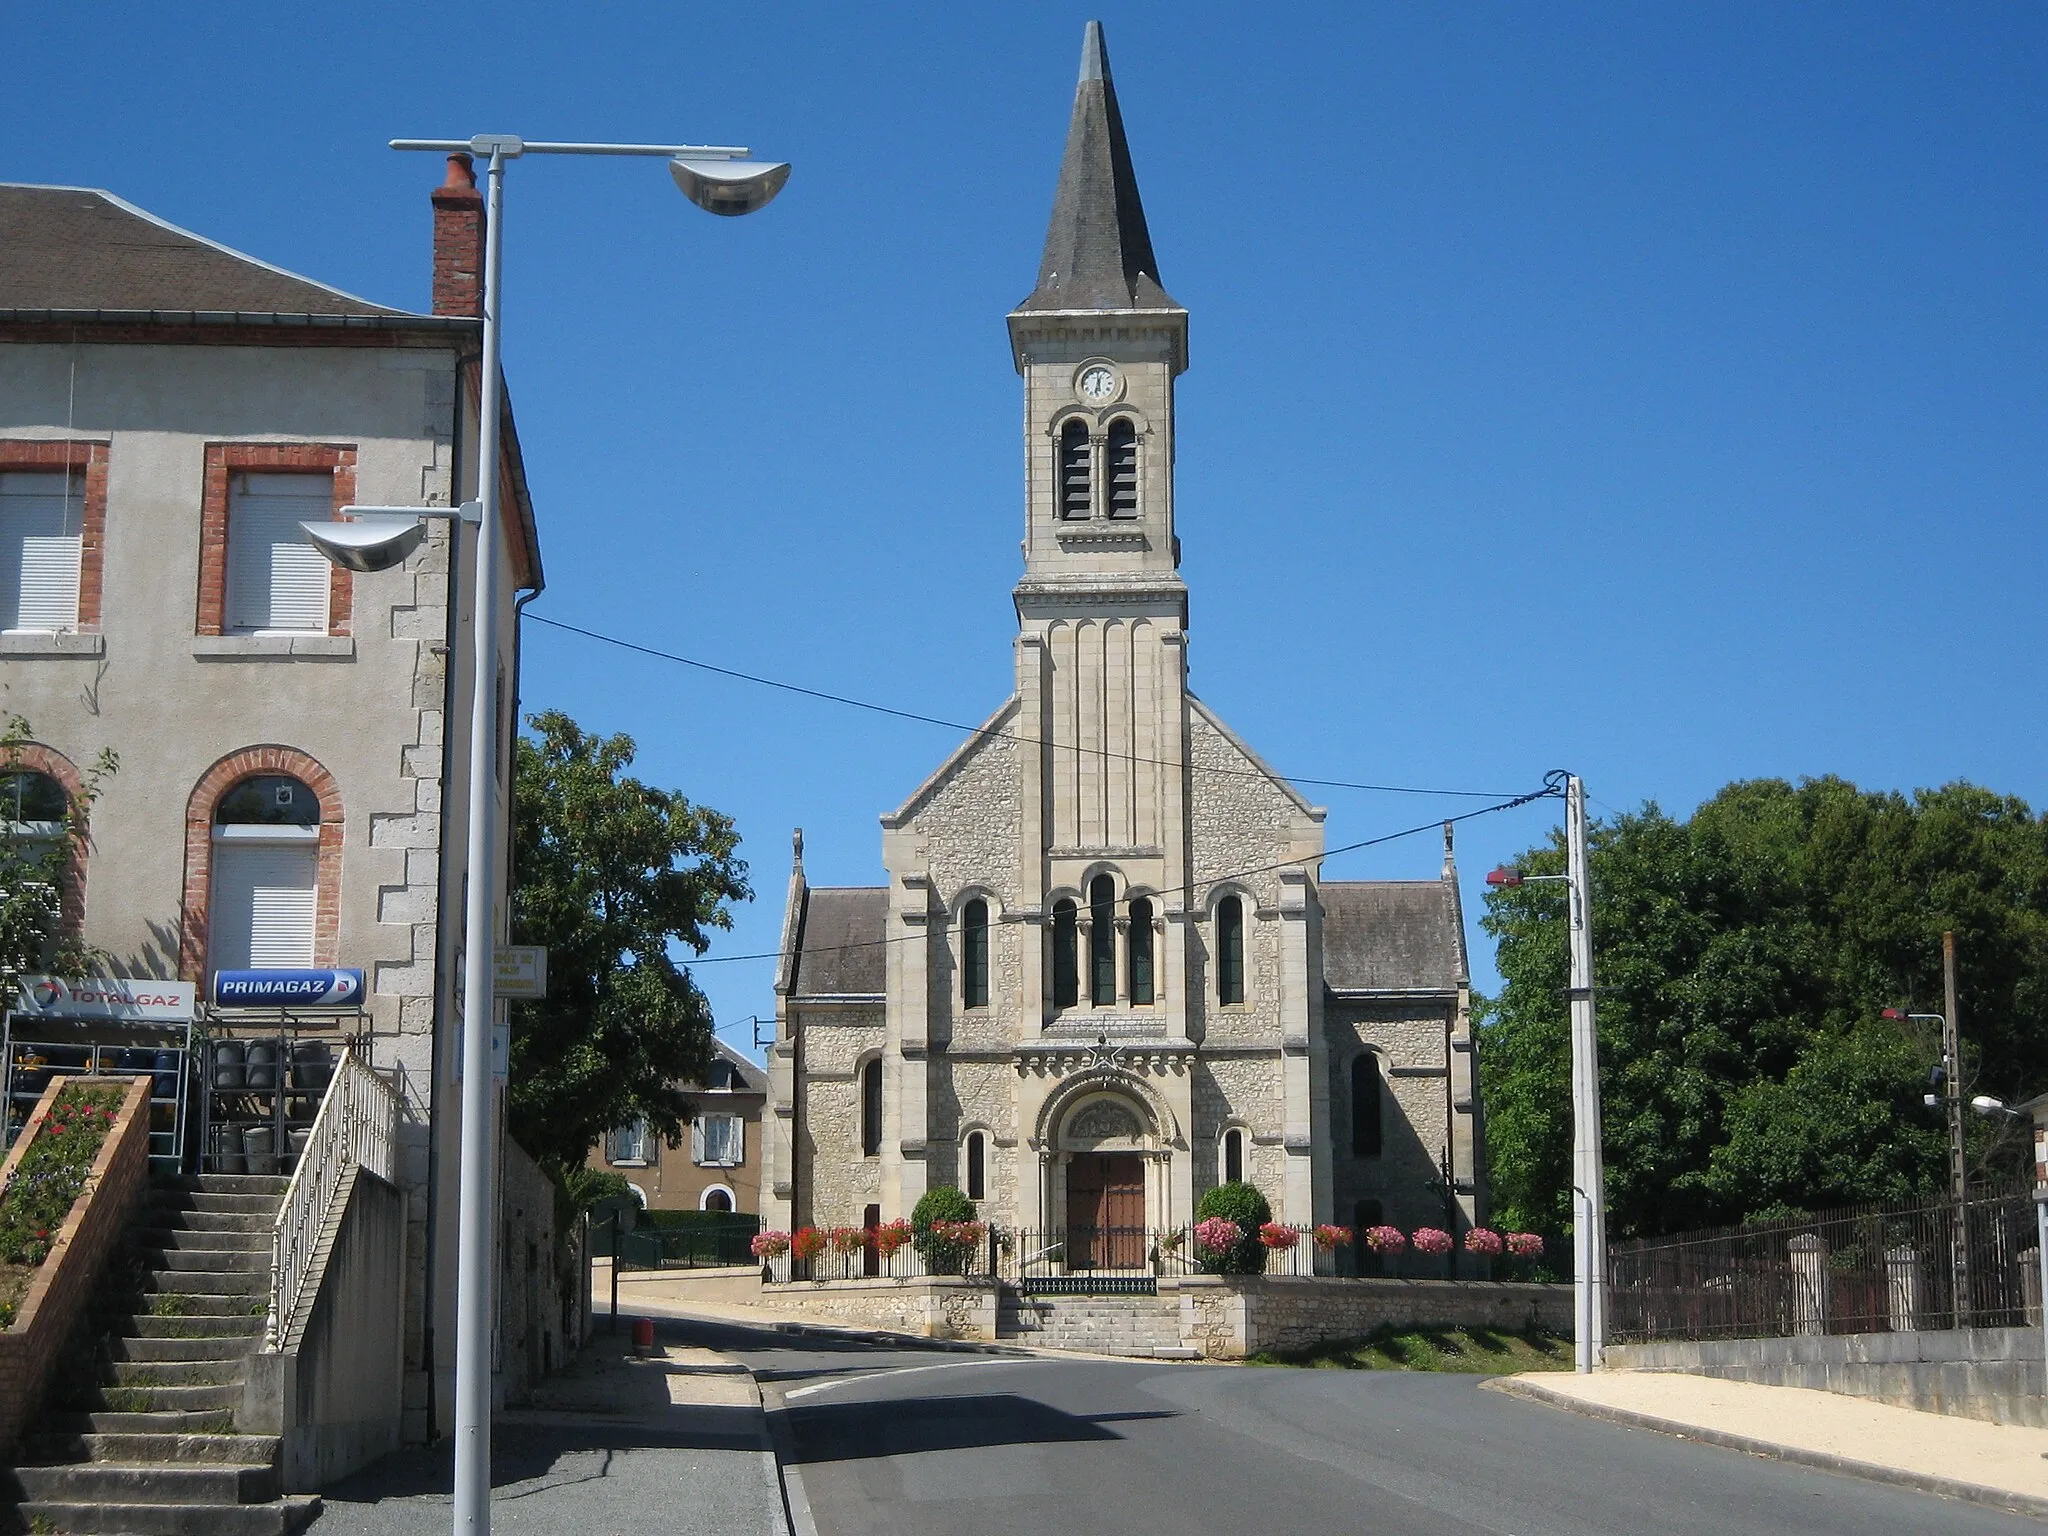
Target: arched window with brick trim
<point x="39" y="801"/>
<point x="263" y="848"/>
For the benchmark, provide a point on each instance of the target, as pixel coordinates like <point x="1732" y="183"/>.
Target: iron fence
<point x="1859" y="1269"/>
<point x="698" y="1245"/>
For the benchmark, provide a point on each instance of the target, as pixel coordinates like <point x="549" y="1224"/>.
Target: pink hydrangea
<point x="771" y="1245"/>
<point x="1525" y="1245"/>
<point x="1385" y="1239"/>
<point x="1431" y="1240"/>
<point x="1483" y="1240"/>
<point x="1276" y="1234"/>
<point x="1218" y="1234"/>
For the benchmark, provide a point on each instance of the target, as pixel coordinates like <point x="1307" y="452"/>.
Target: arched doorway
<point x="1106" y="1142"/>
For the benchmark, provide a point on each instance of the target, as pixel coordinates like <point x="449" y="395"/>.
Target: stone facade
<point x="1103" y="968"/>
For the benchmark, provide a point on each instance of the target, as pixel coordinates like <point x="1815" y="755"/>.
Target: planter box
<point x="91" y="1231"/>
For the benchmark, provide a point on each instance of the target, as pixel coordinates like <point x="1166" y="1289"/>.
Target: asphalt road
<point x="886" y="1440"/>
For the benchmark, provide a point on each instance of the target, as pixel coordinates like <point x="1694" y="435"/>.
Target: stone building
<point x="717" y="1165"/>
<point x="1104" y="973"/>
<point x="293" y="782"/>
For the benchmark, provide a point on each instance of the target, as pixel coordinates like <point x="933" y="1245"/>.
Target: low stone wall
<point x="1974" y="1373"/>
<point x="1227" y="1317"/>
<point x="931" y="1306"/>
<point x="64" y="1282"/>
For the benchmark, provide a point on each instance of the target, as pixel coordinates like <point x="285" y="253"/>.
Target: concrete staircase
<point x="1144" y="1326"/>
<point x="149" y="1448"/>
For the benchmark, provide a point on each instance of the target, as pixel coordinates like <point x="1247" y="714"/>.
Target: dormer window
<point x="1120" y="468"/>
<point x="1077" y="490"/>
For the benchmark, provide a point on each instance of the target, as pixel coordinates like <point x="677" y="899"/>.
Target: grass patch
<point x="169" y="1304"/>
<point x="127" y="1399"/>
<point x="1476" y="1350"/>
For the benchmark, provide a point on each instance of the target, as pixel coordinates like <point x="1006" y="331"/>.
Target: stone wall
<point x="1415" y="1118"/>
<point x="64" y="1282"/>
<point x="1227" y="1317"/>
<point x="834" y="1180"/>
<point x="543" y="1315"/>
<point x="1974" y="1373"/>
<point x="930" y="1306"/>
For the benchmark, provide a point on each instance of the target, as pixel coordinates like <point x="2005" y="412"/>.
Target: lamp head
<point x="374" y="542"/>
<point x="1500" y="877"/>
<point x="729" y="187"/>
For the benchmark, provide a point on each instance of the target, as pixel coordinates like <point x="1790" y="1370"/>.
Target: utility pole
<point x="1959" y="1168"/>
<point x="1589" y="1189"/>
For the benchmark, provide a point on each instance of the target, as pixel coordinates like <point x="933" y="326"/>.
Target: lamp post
<point x="1589" y="1192"/>
<point x="1958" y="1158"/>
<point x="720" y="179"/>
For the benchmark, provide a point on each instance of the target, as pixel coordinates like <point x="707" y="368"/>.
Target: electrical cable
<point x="984" y="731"/>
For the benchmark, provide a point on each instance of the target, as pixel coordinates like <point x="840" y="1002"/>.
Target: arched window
<point x="1076" y="492"/>
<point x="1230" y="950"/>
<point x="1121" y="469"/>
<point x="266" y="865"/>
<point x="1102" y="941"/>
<point x="977" y="1165"/>
<point x="974" y="954"/>
<point x="1365" y="1106"/>
<point x="716" y="1198"/>
<point x="1066" y="968"/>
<point x="32" y="800"/>
<point x="1141" y="952"/>
<point x="871" y="1109"/>
<point x="1233" y="1155"/>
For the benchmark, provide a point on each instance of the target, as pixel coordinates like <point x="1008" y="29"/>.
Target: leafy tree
<point x="35" y="870"/>
<point x="615" y="878"/>
<point x="1242" y="1203"/>
<point x="1742" y="959"/>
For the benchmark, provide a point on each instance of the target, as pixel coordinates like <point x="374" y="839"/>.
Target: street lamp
<point x="720" y="179"/>
<point x="1951" y="1097"/>
<point x="1589" y="1177"/>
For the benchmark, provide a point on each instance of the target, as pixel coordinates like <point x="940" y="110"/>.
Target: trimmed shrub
<point x="941" y="1206"/>
<point x="1240" y="1203"/>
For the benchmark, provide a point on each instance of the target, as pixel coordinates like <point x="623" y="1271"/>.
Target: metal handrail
<point x="356" y="1127"/>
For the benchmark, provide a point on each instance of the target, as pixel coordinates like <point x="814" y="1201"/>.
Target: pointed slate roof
<point x="1098" y="253"/>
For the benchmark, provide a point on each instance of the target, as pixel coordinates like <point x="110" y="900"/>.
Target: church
<point x="1103" y="973"/>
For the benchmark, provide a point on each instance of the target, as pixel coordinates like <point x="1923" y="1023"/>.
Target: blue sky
<point x="1652" y="391"/>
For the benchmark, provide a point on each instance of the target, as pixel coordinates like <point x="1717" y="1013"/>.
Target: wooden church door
<point x="1106" y="1211"/>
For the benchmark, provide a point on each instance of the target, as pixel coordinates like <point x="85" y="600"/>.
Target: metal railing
<point x="1858" y="1269"/>
<point x="357" y="1127"/>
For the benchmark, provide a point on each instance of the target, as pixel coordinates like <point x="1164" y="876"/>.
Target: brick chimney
<point x="459" y="241"/>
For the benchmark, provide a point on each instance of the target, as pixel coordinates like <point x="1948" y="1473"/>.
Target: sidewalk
<point x="611" y="1445"/>
<point x="1997" y="1464"/>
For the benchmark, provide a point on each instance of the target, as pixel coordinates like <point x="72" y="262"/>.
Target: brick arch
<point x="37" y="758"/>
<point x="206" y="795"/>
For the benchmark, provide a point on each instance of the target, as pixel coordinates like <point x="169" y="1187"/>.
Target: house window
<point x="1121" y="467"/>
<point x="630" y="1145"/>
<point x="1141" y="952"/>
<point x="1076" y="491"/>
<point x="1365" y="1106"/>
<point x="1102" y="941"/>
<point x="1230" y="950"/>
<point x="1066" y="969"/>
<point x="724" y="1077"/>
<point x="277" y="581"/>
<point x="1233" y="1155"/>
<point x="42" y="519"/>
<point x="977" y="1165"/>
<point x="974" y="954"/>
<point x="34" y="823"/>
<point x="871" y="1109"/>
<point x="718" y="1141"/>
<point x="266" y="855"/>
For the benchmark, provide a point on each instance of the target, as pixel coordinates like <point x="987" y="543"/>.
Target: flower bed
<point x="47" y="1181"/>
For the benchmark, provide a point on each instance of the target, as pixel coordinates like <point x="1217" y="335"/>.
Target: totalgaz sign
<point x="101" y="997"/>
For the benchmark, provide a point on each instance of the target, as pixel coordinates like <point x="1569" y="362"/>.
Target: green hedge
<point x="1243" y="1204"/>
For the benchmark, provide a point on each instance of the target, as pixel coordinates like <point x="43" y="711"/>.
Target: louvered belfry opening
<point x="1121" y="466"/>
<point x="1076" y="500"/>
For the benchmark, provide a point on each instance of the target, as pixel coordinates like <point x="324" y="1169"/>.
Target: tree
<point x="35" y="869"/>
<point x="1742" y="959"/>
<point x="617" y="879"/>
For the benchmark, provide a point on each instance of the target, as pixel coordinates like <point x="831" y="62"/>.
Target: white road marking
<point x="906" y="1370"/>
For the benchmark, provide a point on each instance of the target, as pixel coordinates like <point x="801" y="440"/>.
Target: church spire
<point x="1098" y="253"/>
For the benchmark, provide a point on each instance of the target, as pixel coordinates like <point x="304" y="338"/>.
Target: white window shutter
<point x="276" y="579"/>
<point x="699" y="1143"/>
<point x="41" y="516"/>
<point x="736" y="1148"/>
<point x="263" y="905"/>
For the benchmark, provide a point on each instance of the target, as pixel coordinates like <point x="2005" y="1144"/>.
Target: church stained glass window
<point x="974" y="954"/>
<point x="1066" y="970"/>
<point x="1141" y="952"/>
<point x="1102" y="941"/>
<point x="1230" y="950"/>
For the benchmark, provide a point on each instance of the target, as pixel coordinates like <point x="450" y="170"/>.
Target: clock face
<point x="1097" y="384"/>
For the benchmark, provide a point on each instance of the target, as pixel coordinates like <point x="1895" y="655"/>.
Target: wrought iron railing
<point x="1859" y="1269"/>
<point x="357" y="1127"/>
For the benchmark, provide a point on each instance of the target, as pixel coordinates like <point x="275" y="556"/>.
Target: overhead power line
<point x="985" y="731"/>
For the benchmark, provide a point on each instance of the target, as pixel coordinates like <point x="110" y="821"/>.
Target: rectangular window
<point x="718" y="1141"/>
<point x="631" y="1146"/>
<point x="277" y="581"/>
<point x="42" y="519"/>
<point x="263" y="905"/>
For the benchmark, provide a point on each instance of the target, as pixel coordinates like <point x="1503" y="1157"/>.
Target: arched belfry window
<point x="1366" y="1100"/>
<point x="1066" y="969"/>
<point x="1142" y="989"/>
<point x="1076" y="490"/>
<point x="1230" y="950"/>
<point x="871" y="1109"/>
<point x="1120" y="466"/>
<point x="974" y="954"/>
<point x="1102" y="941"/>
